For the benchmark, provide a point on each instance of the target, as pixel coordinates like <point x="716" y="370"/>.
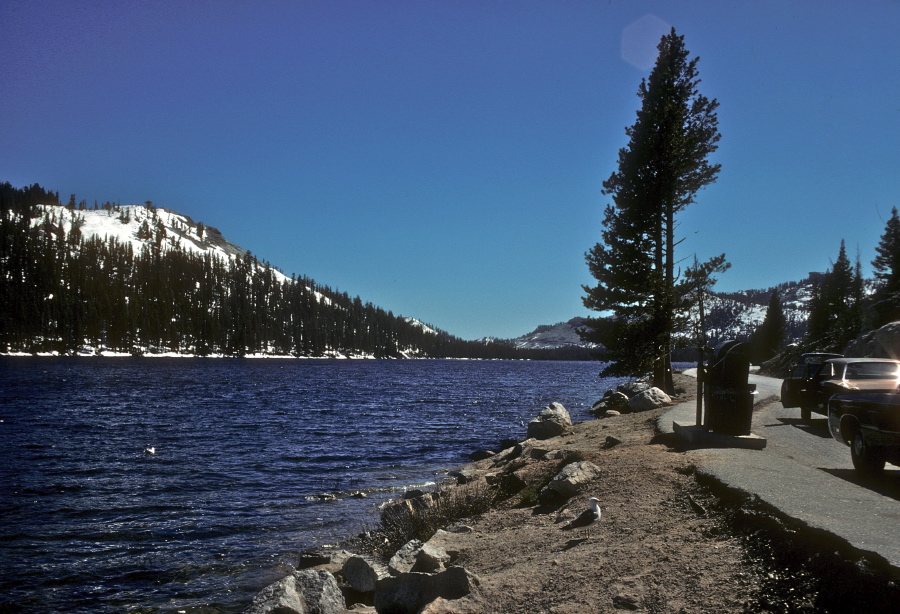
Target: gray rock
<point x="404" y="559"/>
<point x="280" y="597"/>
<point x="651" y="398"/>
<point x="616" y="399"/>
<point x="362" y="572"/>
<point x="569" y="481"/>
<point x="463" y="476"/>
<point x="887" y="340"/>
<point x="319" y="591"/>
<point x="512" y="483"/>
<point x="630" y="389"/>
<point x="478" y="455"/>
<point x="408" y="593"/>
<point x="430" y="558"/>
<point x="331" y="559"/>
<point x="403" y="594"/>
<point x="551" y="422"/>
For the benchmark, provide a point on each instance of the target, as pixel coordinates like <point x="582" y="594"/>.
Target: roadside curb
<point x="799" y="516"/>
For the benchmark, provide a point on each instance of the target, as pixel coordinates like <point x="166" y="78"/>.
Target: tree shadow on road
<point x="886" y="484"/>
<point x="816" y="426"/>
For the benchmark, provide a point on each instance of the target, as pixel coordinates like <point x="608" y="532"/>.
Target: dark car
<point x="797" y="385"/>
<point x="850" y="376"/>
<point x="869" y="422"/>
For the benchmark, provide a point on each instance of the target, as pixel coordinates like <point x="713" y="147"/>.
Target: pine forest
<point x="64" y="291"/>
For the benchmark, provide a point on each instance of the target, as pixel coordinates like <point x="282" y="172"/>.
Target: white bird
<point x="150" y="450"/>
<point x="588" y="517"/>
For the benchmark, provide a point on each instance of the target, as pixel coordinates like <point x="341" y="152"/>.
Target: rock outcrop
<point x="551" y="422"/>
<point x="650" y="398"/>
<point x="302" y="592"/>
<point x="569" y="481"/>
<point x="404" y="559"/>
<point x="410" y="592"/>
<point x="363" y="572"/>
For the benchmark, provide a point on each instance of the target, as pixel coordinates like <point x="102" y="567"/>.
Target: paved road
<point x="806" y="474"/>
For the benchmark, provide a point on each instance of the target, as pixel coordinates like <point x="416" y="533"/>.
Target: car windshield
<point x="870" y="370"/>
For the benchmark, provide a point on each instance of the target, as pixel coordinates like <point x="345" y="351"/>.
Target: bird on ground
<point x="588" y="517"/>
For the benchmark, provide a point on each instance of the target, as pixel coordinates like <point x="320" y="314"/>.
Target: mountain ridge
<point x="729" y="315"/>
<point x="145" y="228"/>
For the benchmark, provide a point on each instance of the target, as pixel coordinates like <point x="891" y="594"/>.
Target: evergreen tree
<point x="659" y="173"/>
<point x="835" y="309"/>
<point x="697" y="283"/>
<point x="768" y="339"/>
<point x="886" y="266"/>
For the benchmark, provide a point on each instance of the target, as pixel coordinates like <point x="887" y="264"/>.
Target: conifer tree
<point x="769" y="337"/>
<point x="886" y="267"/>
<point x="659" y="173"/>
<point x="835" y="308"/>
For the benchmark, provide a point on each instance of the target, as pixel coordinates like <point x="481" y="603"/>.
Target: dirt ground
<point x="653" y="551"/>
<point x="660" y="546"/>
<point x="669" y="540"/>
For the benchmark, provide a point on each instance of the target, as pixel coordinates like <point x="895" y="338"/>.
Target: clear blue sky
<point x="444" y="159"/>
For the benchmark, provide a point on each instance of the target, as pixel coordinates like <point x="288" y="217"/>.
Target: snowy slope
<point x="727" y="316"/>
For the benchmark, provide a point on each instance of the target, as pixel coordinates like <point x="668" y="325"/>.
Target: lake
<point x="255" y="461"/>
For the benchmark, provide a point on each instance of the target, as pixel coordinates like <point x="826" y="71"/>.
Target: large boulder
<point x="430" y="558"/>
<point x="551" y="422"/>
<point x="651" y="398"/>
<point x="630" y="389"/>
<point x="569" y="481"/>
<point x="362" y="572"/>
<point x="302" y="592"/>
<point x="329" y="559"/>
<point x="887" y="341"/>
<point x="613" y="400"/>
<point x="616" y="399"/>
<point x="281" y="597"/>
<point x="408" y="593"/>
<point x="404" y="559"/>
<point x="320" y="591"/>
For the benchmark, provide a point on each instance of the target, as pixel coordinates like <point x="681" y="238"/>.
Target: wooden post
<point x="701" y="370"/>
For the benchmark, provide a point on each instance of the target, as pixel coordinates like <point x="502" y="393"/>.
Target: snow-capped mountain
<point x="139" y="226"/>
<point x="561" y="334"/>
<point x="728" y="315"/>
<point x="732" y="315"/>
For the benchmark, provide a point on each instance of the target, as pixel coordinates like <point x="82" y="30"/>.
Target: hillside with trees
<point x="169" y="285"/>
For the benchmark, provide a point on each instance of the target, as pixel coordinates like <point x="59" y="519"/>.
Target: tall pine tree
<point x="835" y="315"/>
<point x="768" y="339"/>
<point x="659" y="173"/>
<point x="886" y="266"/>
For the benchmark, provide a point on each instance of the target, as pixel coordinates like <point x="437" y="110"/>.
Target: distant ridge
<point x="143" y="280"/>
<point x="559" y="335"/>
<point x="728" y="315"/>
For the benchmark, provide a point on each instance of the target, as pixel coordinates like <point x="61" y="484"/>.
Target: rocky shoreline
<point x="414" y="561"/>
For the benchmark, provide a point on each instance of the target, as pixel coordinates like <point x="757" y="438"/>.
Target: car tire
<point x="865" y="460"/>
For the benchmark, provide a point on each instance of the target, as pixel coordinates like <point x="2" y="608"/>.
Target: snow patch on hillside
<point x="141" y="226"/>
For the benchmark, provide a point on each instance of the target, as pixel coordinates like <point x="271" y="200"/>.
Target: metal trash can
<point x="729" y="398"/>
<point x="734" y="410"/>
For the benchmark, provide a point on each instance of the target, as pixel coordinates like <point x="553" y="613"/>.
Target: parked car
<point x="869" y="422"/>
<point x="851" y="376"/>
<point x="797" y="384"/>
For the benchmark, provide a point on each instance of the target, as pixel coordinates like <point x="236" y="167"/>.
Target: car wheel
<point x="865" y="460"/>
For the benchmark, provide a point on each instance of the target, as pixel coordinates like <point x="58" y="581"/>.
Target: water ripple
<point x="255" y="461"/>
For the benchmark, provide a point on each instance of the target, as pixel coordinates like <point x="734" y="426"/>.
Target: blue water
<point x="245" y="451"/>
